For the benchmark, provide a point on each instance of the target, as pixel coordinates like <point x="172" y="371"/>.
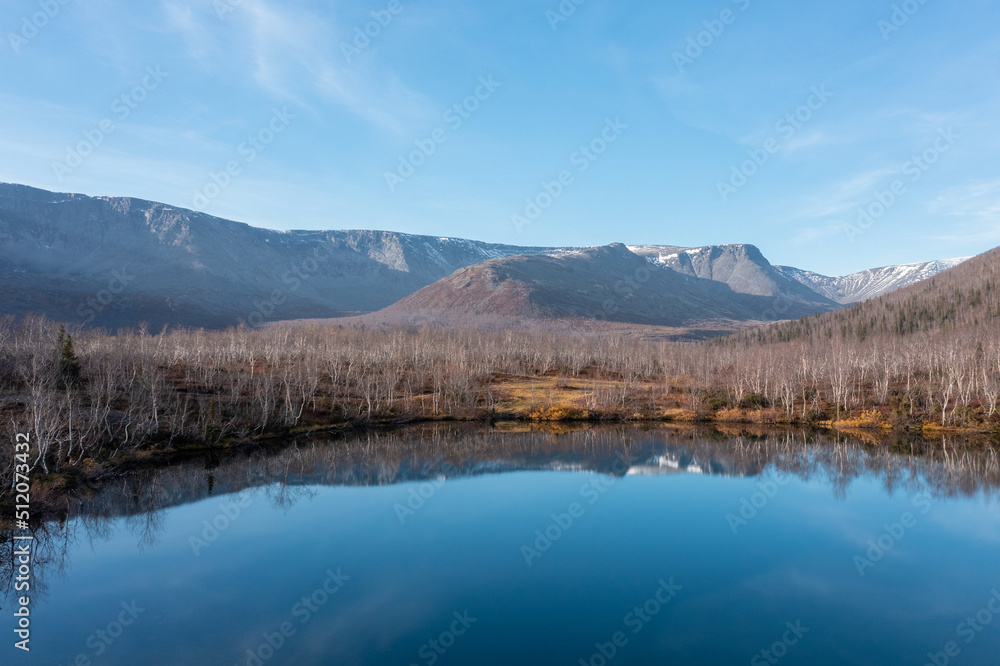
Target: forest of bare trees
<point x="87" y="397"/>
<point x="964" y="298"/>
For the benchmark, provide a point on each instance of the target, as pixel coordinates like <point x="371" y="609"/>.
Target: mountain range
<point x="869" y="284"/>
<point x="610" y="283"/>
<point x="116" y="261"/>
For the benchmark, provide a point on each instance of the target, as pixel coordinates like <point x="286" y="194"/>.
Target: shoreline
<point x="49" y="490"/>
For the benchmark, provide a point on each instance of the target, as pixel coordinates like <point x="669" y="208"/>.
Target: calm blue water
<point x="525" y="557"/>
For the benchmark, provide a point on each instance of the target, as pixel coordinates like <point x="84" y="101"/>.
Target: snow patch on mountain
<point x="872" y="283"/>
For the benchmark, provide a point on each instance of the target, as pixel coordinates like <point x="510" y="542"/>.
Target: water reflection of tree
<point x="285" y="475"/>
<point x="49" y="554"/>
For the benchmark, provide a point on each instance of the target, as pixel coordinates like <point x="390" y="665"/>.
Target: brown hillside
<point x="604" y="283"/>
<point x="966" y="297"/>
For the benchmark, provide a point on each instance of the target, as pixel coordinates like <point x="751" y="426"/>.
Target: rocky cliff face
<point x="744" y="270"/>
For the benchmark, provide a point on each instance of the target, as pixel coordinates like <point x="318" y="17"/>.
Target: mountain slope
<point x="745" y="270"/>
<point x="868" y="284"/>
<point x="115" y="261"/>
<point x="602" y="283"/>
<point x="960" y="299"/>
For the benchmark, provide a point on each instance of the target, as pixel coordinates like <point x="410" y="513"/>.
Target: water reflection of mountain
<point x="673" y="463"/>
<point x="284" y="474"/>
<point x="430" y="453"/>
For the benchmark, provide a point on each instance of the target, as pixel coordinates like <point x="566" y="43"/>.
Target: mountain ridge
<point x="61" y="251"/>
<point x="871" y="283"/>
<point x="609" y="283"/>
<point x="116" y="261"/>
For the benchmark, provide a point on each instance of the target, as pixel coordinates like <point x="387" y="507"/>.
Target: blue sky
<point x="309" y="118"/>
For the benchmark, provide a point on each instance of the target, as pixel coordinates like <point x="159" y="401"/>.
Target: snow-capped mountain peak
<point x="871" y="283"/>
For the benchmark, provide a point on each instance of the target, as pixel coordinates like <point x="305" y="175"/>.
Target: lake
<point x="453" y="545"/>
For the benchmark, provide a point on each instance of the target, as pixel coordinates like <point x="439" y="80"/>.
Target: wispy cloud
<point x="812" y="234"/>
<point x="182" y="18"/>
<point x="844" y="196"/>
<point x="292" y="54"/>
<point x="978" y="200"/>
<point x="804" y="140"/>
<point x="977" y="209"/>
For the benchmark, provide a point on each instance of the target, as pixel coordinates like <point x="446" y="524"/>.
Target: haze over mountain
<point x="118" y="261"/>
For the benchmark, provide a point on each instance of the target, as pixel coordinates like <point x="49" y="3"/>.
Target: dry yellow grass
<point x="559" y="413"/>
<point x="678" y="414"/>
<point x="758" y="416"/>
<point x="869" y="420"/>
<point x="527" y="397"/>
